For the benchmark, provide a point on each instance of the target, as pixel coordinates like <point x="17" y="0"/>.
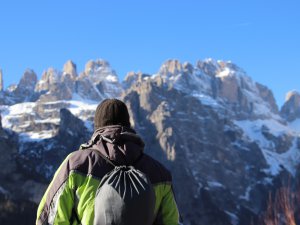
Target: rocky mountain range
<point x="222" y="135"/>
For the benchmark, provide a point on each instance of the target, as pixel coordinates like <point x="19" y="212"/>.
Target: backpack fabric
<point x="125" y="196"/>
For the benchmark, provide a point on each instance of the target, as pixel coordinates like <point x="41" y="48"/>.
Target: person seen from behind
<point x="110" y="180"/>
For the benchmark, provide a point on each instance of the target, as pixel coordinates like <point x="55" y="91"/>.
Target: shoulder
<point x="156" y="171"/>
<point x="87" y="162"/>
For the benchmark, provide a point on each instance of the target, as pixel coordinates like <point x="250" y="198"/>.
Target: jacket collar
<point x="121" y="144"/>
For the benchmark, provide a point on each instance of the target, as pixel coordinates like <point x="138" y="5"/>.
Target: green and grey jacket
<point x="69" y="198"/>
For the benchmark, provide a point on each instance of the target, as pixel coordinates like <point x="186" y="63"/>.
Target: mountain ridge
<point x="209" y="66"/>
<point x="216" y="129"/>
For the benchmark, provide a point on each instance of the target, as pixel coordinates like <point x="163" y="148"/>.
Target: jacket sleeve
<point x="168" y="213"/>
<point x="57" y="203"/>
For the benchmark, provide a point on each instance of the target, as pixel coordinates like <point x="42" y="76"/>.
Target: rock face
<point x="217" y="130"/>
<point x="69" y="76"/>
<point x="51" y="87"/>
<point x="25" y="88"/>
<point x="194" y="135"/>
<point x="28" y="81"/>
<point x="133" y="78"/>
<point x="8" y="149"/>
<point x="104" y="77"/>
<point x="229" y="88"/>
<point x="49" y="78"/>
<point x="97" y="82"/>
<point x="71" y="128"/>
<point x="16" y="205"/>
<point x="266" y="94"/>
<point x="86" y="89"/>
<point x="170" y="68"/>
<point x="71" y="69"/>
<point x="291" y="108"/>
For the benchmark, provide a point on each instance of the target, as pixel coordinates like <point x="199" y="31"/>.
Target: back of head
<point x="111" y="112"/>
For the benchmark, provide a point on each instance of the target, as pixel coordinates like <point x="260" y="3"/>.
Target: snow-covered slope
<point x="278" y="143"/>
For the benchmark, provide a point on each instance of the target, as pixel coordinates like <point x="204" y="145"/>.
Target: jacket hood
<point x="120" y="144"/>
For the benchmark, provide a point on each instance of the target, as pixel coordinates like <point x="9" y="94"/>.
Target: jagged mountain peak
<point x="219" y="68"/>
<point x="50" y="77"/>
<point x="93" y="65"/>
<point x="211" y="81"/>
<point x="29" y="76"/>
<point x="133" y="78"/>
<point x="27" y="82"/>
<point x="208" y="66"/>
<point x="98" y="81"/>
<point x="221" y="83"/>
<point x="292" y="95"/>
<point x="70" y="68"/>
<point x="100" y="70"/>
<point x="130" y="74"/>
<point x="291" y="108"/>
<point x="24" y="91"/>
<point x="170" y="67"/>
<point x="188" y="67"/>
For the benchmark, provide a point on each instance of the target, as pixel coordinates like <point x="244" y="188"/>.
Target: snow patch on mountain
<point x="276" y="161"/>
<point x="253" y="129"/>
<point x="288" y="160"/>
<point x="36" y="136"/>
<point x="215" y="184"/>
<point x="11" y="114"/>
<point x="80" y="109"/>
<point x="111" y="78"/>
<point x="34" y="125"/>
<point x="206" y="99"/>
<point x="224" y="73"/>
<point x="21" y="108"/>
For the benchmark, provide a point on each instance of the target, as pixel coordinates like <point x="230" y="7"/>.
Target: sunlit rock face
<point x="69" y="75"/>
<point x="291" y="108"/>
<point x="217" y="130"/>
<point x="71" y="69"/>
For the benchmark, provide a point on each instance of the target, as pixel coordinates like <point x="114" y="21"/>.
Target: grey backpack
<point x="125" y="196"/>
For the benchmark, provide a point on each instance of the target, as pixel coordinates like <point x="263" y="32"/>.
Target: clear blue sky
<point x="261" y="36"/>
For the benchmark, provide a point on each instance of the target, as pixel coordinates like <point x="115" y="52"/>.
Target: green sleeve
<point x="57" y="203"/>
<point x="168" y="213"/>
